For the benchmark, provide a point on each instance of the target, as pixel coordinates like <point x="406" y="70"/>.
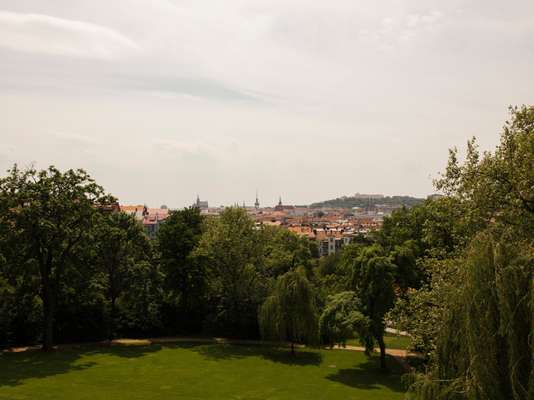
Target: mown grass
<point x="195" y="371"/>
<point x="392" y="342"/>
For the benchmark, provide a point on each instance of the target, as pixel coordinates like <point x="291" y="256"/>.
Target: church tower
<point x="257" y="202"/>
<point x="279" y="207"/>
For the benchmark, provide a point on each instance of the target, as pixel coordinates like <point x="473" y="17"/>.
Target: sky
<point x="161" y="100"/>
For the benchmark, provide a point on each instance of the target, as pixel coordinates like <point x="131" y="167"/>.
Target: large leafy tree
<point x="50" y="213"/>
<point x="119" y="243"/>
<point x="483" y="334"/>
<point x="231" y="247"/>
<point x="371" y="279"/>
<point x="289" y="313"/>
<point x="185" y="275"/>
<point x="499" y="186"/>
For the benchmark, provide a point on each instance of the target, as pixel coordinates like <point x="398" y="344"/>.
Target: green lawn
<point x="195" y="371"/>
<point x="392" y="342"/>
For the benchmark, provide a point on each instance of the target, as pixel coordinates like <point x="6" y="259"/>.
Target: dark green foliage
<point x="434" y="228"/>
<point x="366" y="292"/>
<point x="285" y="251"/>
<point x="350" y="202"/>
<point x="407" y="274"/>
<point x="120" y="244"/>
<point x="50" y="215"/>
<point x="140" y="304"/>
<point x="373" y="276"/>
<point x="404" y="224"/>
<point x="484" y="344"/>
<point x="331" y="276"/>
<point x="484" y="317"/>
<point x="232" y="250"/>
<point x="342" y="318"/>
<point x="185" y="273"/>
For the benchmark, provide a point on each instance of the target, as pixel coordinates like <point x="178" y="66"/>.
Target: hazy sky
<point x="160" y="100"/>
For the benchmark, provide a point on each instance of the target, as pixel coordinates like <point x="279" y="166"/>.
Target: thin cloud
<point x="193" y="87"/>
<point x="51" y="35"/>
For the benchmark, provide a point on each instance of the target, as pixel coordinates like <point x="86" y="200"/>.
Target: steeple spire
<point x="257" y="202"/>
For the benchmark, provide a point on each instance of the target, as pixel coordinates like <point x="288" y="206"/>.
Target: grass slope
<point x="195" y="371"/>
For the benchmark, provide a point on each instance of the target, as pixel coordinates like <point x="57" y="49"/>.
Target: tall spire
<point x="257" y="202"/>
<point x="280" y="201"/>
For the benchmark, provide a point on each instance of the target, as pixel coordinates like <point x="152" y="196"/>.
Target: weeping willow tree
<point x="289" y="314"/>
<point x="342" y="319"/>
<point x="484" y="350"/>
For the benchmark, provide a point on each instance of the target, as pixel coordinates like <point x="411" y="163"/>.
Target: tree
<point x="185" y="275"/>
<point x="483" y="335"/>
<point x="141" y="304"/>
<point x="289" y="314"/>
<point x="342" y="318"/>
<point x="407" y="274"/>
<point x="50" y="212"/>
<point x="496" y="187"/>
<point x="231" y="248"/>
<point x="284" y="251"/>
<point x="420" y="311"/>
<point x="373" y="277"/>
<point x="6" y="302"/>
<point x="484" y="340"/>
<point x="120" y="243"/>
<point x="402" y="225"/>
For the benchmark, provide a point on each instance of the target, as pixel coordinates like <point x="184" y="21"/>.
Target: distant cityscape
<point x="331" y="224"/>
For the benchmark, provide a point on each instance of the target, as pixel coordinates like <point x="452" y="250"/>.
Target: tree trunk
<point x="112" y="312"/>
<point x="382" y="346"/>
<point x="292" y="349"/>
<point x="48" y="310"/>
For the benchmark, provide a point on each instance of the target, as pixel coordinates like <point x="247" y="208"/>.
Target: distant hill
<point x="360" y="201"/>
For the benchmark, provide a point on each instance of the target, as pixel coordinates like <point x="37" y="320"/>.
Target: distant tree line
<point x="455" y="272"/>
<point x="350" y="202"/>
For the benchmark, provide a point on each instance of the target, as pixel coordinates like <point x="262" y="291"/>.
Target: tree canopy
<point x="50" y="215"/>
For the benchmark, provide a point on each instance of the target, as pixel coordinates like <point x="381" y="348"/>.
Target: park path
<point x="399" y="354"/>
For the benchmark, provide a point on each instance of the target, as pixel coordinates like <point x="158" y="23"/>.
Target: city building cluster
<point x="330" y="228"/>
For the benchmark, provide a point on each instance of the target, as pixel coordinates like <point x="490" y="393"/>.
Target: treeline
<point x="351" y="202"/>
<point x="473" y="316"/>
<point x="456" y="272"/>
<point x="74" y="268"/>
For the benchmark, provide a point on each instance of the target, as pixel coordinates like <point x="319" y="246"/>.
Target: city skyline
<point x="198" y="198"/>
